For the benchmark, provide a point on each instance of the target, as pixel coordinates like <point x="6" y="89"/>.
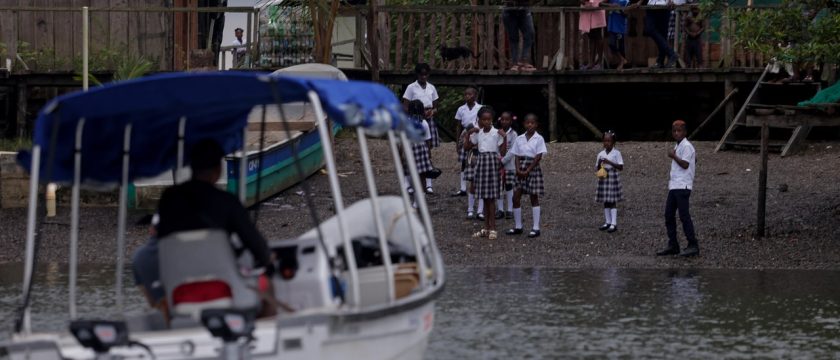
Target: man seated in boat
<point x="198" y="204"/>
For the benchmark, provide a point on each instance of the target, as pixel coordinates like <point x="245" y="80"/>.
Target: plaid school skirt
<point x="462" y="154"/>
<point x="609" y="189"/>
<point x="422" y="157"/>
<point x="434" y="132"/>
<point x="533" y="184"/>
<point x="486" y="177"/>
<point x="470" y="162"/>
<point x="509" y="179"/>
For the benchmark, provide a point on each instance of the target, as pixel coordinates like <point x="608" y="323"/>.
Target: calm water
<point x="503" y="313"/>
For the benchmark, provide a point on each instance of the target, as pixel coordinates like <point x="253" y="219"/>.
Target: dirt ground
<point x="803" y="212"/>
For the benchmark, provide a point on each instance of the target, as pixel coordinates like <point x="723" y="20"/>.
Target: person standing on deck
<point x="517" y="18"/>
<point x="424" y="91"/>
<point x="656" y="28"/>
<point x="683" y="160"/>
<point x="239" y="53"/>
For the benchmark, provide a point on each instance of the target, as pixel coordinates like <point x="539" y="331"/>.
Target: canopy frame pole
<point x="326" y="144"/>
<point x="421" y="203"/>
<point x="85" y="47"/>
<point x="377" y="215"/>
<point x="243" y="167"/>
<point x="118" y="288"/>
<point x="74" y="218"/>
<point x="30" y="237"/>
<point x="182" y="128"/>
<point x="418" y="247"/>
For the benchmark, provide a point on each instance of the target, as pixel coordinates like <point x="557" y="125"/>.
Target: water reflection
<point x="547" y="313"/>
<point x="533" y="313"/>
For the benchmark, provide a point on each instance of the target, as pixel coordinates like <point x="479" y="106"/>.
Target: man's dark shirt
<point x="197" y="205"/>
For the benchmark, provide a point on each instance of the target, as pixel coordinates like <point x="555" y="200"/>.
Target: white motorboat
<point x="362" y="283"/>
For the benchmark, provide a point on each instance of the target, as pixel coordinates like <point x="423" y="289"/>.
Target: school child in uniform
<point x="491" y="146"/>
<point x="466" y="118"/>
<point x="609" y="190"/>
<point x="509" y="166"/>
<point x="528" y="150"/>
<point x="424" y="91"/>
<point x="683" y="165"/>
<point x="420" y="150"/>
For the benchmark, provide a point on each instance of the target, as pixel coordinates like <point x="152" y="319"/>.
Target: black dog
<point x="458" y="52"/>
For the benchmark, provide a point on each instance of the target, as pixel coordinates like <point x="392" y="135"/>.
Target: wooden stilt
<point x="592" y="128"/>
<point x="552" y="110"/>
<point x="714" y="112"/>
<point x="762" y="183"/>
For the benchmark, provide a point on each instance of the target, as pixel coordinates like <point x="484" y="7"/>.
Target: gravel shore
<point x="803" y="212"/>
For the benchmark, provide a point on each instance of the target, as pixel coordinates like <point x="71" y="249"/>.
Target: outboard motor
<point x="100" y="336"/>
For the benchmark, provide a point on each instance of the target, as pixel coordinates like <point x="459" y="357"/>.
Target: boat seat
<point x="199" y="271"/>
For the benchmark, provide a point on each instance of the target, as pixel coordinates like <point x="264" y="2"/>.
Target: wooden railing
<point x="412" y="34"/>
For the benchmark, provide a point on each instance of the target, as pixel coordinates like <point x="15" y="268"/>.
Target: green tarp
<point x="829" y="95"/>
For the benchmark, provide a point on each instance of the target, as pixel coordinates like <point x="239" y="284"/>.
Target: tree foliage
<point x="797" y="31"/>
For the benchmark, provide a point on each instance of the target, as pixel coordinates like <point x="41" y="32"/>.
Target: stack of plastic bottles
<point x="286" y="35"/>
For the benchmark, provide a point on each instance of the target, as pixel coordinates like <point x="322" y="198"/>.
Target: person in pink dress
<point x="591" y="25"/>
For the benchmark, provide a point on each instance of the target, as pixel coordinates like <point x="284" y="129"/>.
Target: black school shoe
<point x="500" y="214"/>
<point x="508" y="214"/>
<point x="480" y="216"/>
<point x="690" y="251"/>
<point x="459" y="193"/>
<point x="513" y="231"/>
<point x="534" y="233"/>
<point x="668" y="251"/>
<point x="612" y="229"/>
<point x="604" y="227"/>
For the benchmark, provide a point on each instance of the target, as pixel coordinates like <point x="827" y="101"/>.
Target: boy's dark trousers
<point x="678" y="201"/>
<point x="656" y="28"/>
<point x="693" y="49"/>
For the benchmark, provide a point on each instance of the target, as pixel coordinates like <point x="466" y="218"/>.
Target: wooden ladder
<point x="798" y="135"/>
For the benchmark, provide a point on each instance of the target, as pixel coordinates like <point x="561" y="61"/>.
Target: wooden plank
<point x="560" y="64"/>
<point x="155" y="45"/>
<point x="489" y="47"/>
<point x="400" y="29"/>
<point x="421" y="37"/>
<point x="552" y="110"/>
<point x="136" y="29"/>
<point x="100" y="28"/>
<point x="26" y="28"/>
<point x="433" y="43"/>
<point x="9" y="30"/>
<point x="729" y="115"/>
<point x="118" y="21"/>
<point x="792" y="120"/>
<point x="385" y="39"/>
<point x="592" y="128"/>
<point x="409" y="58"/>
<point x="44" y="35"/>
<point x="443" y="38"/>
<point x="797" y="139"/>
<point x="714" y="112"/>
<point x="501" y="52"/>
<point x="63" y="35"/>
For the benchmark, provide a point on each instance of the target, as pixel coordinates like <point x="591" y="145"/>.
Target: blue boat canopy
<point x="215" y="105"/>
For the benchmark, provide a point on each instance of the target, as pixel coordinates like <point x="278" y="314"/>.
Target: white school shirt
<point x="529" y="148"/>
<point x="614" y="156"/>
<point x="683" y="178"/>
<point x="507" y="160"/>
<point x="415" y="92"/>
<point x="241" y="46"/>
<point x="467" y="116"/>
<point x="427" y="133"/>
<point x="487" y="141"/>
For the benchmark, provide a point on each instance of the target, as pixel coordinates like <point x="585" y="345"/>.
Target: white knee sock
<point x="470" y="202"/>
<point x="517" y="218"/>
<point x="407" y="181"/>
<point x="500" y="205"/>
<point x="481" y="206"/>
<point x="463" y="183"/>
<point x="607" y="216"/>
<point x="613" y="214"/>
<point x="509" y="196"/>
<point x="428" y="183"/>
<point x="536" y="211"/>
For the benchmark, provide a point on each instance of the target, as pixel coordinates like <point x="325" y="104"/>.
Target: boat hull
<point x="278" y="171"/>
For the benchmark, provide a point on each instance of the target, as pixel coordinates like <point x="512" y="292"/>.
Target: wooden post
<point x="360" y="42"/>
<point x="729" y="114"/>
<point x="373" y="40"/>
<point x="21" y="109"/>
<point x="762" y="182"/>
<point x="560" y="65"/>
<point x="714" y="112"/>
<point x="552" y="110"/>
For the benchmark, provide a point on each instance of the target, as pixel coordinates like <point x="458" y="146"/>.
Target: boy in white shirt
<point x="683" y="160"/>
<point x="424" y="91"/>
